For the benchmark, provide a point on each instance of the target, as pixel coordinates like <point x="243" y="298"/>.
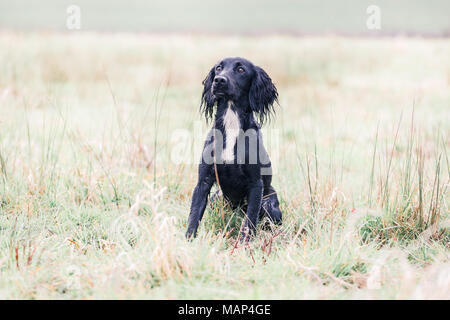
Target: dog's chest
<point x="231" y="126"/>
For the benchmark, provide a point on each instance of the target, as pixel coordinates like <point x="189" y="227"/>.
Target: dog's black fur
<point x="245" y="89"/>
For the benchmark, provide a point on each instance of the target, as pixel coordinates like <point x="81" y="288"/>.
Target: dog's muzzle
<point x="220" y="86"/>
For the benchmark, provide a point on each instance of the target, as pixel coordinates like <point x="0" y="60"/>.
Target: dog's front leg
<point x="198" y="205"/>
<point x="254" y="199"/>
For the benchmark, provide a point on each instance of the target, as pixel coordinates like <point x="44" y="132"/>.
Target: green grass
<point x="93" y="207"/>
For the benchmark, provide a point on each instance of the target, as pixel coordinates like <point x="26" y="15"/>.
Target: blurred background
<point x="231" y="17"/>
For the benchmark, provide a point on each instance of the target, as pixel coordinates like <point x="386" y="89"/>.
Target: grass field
<point x="93" y="205"/>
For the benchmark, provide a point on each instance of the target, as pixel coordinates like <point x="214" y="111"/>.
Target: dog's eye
<point x="219" y="68"/>
<point x="240" y="70"/>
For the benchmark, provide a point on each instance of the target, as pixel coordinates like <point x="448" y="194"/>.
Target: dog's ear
<point x="208" y="100"/>
<point x="263" y="94"/>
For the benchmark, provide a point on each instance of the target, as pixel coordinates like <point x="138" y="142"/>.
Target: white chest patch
<point x="232" y="126"/>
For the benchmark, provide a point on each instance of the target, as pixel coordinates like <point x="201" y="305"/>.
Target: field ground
<point x="94" y="205"/>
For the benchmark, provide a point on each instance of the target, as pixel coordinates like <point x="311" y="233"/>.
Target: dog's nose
<point x="220" y="80"/>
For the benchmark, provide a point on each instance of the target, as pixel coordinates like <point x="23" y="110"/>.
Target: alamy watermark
<point x="73" y="21"/>
<point x="189" y="147"/>
<point x="373" y="21"/>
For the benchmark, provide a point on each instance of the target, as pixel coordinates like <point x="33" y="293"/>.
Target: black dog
<point x="234" y="155"/>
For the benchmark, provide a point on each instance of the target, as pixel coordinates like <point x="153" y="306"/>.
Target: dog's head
<point x="238" y="80"/>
